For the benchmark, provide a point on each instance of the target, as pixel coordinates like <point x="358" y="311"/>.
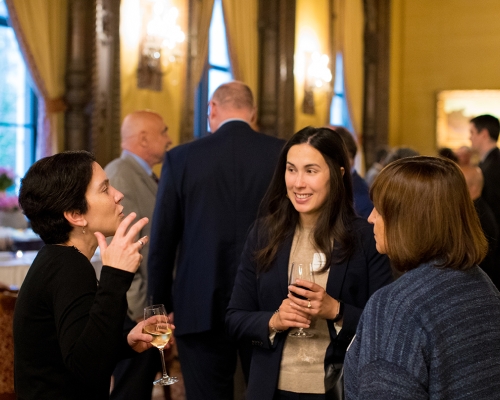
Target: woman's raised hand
<point x="318" y="303"/>
<point x="123" y="251"/>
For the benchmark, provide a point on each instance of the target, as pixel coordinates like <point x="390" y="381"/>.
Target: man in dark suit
<point x="484" y="131"/>
<point x="475" y="182"/>
<point x="144" y="140"/>
<point x="208" y="197"/>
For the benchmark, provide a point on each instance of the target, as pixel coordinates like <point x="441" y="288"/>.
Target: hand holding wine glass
<point x="157" y="325"/>
<point x="304" y="272"/>
<point x="317" y="304"/>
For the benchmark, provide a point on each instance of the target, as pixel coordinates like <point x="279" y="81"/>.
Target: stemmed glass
<point x="306" y="273"/>
<point x="157" y="325"/>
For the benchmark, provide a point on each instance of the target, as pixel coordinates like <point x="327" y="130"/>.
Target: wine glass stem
<point x="165" y="375"/>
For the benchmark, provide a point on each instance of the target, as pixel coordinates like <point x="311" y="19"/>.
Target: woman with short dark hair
<point x="435" y="332"/>
<point x="308" y="218"/>
<point x="67" y="324"/>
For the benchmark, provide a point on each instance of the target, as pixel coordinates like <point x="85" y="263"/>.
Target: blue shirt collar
<point x="139" y="160"/>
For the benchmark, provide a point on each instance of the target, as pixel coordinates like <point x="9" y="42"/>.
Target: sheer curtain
<point x="242" y="37"/>
<point x="41" y="30"/>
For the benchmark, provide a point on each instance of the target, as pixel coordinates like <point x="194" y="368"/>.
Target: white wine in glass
<point x="306" y="273"/>
<point x="157" y="325"/>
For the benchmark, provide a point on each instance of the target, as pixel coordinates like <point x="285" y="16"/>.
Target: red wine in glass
<point x="306" y="273"/>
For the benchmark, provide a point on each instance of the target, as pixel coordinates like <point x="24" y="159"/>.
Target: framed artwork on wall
<point x="455" y="108"/>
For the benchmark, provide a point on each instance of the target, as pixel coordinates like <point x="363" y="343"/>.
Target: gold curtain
<point x="241" y="22"/>
<point x="41" y="30"/>
<point x="202" y="14"/>
<point x="350" y="43"/>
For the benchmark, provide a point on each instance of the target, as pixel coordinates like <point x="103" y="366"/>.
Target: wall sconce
<point x="317" y="76"/>
<point x="159" y="44"/>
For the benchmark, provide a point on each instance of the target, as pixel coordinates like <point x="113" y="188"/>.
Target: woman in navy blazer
<point x="311" y="187"/>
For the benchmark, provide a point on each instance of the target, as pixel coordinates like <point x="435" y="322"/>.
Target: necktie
<point x="155" y="177"/>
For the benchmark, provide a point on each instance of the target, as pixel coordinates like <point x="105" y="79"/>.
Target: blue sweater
<point x="432" y="334"/>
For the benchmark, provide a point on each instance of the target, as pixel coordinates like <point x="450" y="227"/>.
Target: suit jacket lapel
<point x="282" y="261"/>
<point x="336" y="277"/>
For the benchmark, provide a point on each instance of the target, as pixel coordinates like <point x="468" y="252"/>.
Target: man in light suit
<point x="144" y="140"/>
<point x="208" y="197"/>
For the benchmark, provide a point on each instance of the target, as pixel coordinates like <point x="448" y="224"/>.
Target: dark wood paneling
<point x="376" y="107"/>
<point x="78" y="75"/>
<point x="276" y="86"/>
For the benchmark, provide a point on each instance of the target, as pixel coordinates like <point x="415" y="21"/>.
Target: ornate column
<point x="376" y="107"/>
<point x="106" y="118"/>
<point x="276" y="47"/>
<point x="78" y="95"/>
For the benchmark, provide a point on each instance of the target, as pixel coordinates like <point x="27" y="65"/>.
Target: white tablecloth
<point x="13" y="268"/>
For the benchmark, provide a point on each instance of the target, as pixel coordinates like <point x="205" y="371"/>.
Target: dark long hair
<point x="279" y="217"/>
<point x="52" y="186"/>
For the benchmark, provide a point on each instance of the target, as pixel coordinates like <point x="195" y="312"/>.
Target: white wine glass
<point x="156" y="324"/>
<point x="306" y="273"/>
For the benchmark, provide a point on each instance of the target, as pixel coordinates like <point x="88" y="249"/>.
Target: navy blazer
<point x="256" y="297"/>
<point x="208" y="196"/>
<point x="491" y="190"/>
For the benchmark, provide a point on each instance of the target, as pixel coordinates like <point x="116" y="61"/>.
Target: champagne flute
<point x="157" y="325"/>
<point x="304" y="272"/>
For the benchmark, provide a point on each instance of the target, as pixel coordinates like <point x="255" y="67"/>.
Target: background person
<point x="144" y="140"/>
<point x="307" y="217"/>
<point x="435" y="332"/>
<point x="208" y="197"/>
<point x="67" y="324"/>
<point x="475" y="181"/>
<point x="484" y="131"/>
<point x="361" y="196"/>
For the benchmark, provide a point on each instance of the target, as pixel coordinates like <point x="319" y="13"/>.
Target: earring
<point x="83" y="229"/>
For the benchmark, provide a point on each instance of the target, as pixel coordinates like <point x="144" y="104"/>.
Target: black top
<point x="68" y="327"/>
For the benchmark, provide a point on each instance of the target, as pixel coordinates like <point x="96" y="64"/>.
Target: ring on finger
<point x="308" y="303"/>
<point x="140" y="242"/>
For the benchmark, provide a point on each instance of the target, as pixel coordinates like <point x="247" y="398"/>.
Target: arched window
<point x="17" y="103"/>
<point x="217" y="71"/>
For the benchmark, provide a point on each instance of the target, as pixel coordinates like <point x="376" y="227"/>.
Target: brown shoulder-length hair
<point x="428" y="214"/>
<point x="279" y="217"/>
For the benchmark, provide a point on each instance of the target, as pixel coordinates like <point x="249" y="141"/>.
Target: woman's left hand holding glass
<point x="319" y="304"/>
<point x="140" y="341"/>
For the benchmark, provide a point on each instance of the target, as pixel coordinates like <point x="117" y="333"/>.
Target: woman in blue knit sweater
<point x="435" y="332"/>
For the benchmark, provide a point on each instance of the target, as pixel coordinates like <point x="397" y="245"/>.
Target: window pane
<point x="16" y="125"/>
<point x="217" y="49"/>
<point x="12" y="79"/>
<point x="215" y="79"/>
<point x="339" y="75"/>
<point x="337" y="111"/>
<point x="3" y="9"/>
<point x="15" y="149"/>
